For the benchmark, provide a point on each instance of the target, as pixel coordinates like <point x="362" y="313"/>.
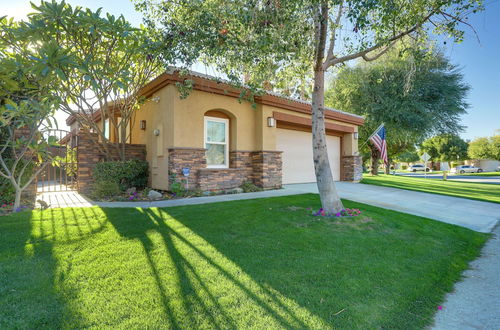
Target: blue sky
<point x="479" y="60"/>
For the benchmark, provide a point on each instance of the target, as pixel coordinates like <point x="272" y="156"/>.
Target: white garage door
<point x="298" y="166"/>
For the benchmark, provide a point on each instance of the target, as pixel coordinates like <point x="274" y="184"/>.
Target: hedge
<point x="127" y="174"/>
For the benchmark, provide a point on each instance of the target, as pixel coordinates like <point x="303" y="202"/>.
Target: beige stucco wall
<point x="189" y="120"/>
<point x="181" y="125"/>
<point x="159" y="115"/>
<point x="349" y="143"/>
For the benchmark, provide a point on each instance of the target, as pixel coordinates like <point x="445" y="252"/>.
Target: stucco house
<point x="225" y="142"/>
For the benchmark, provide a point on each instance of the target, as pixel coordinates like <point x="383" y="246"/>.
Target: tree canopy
<point x="27" y="101"/>
<point x="485" y="148"/>
<point x="415" y="93"/>
<point x="276" y="41"/>
<point x="445" y="147"/>
<point x="99" y="61"/>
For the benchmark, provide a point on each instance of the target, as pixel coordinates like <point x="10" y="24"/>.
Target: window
<point x="106" y="129"/>
<point x="216" y="142"/>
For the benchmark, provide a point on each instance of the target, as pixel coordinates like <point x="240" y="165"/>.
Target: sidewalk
<point x="475" y="303"/>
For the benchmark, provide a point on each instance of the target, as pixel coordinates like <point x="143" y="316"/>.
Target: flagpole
<point x="371" y="136"/>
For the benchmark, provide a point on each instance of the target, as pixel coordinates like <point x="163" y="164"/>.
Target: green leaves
<point x="415" y="93"/>
<point x="485" y="148"/>
<point x="445" y="147"/>
<point x="274" y="41"/>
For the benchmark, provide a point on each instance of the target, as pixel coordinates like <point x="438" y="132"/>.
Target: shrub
<point x="8" y="191"/>
<point x="249" y="187"/>
<point x="177" y="187"/>
<point x="126" y="174"/>
<point x="104" y="189"/>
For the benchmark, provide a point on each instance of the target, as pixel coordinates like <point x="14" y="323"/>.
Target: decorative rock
<point x="206" y="193"/>
<point x="153" y="194"/>
<point x="131" y="191"/>
<point x="233" y="191"/>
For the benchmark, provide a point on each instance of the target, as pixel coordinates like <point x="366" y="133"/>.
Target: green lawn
<point x="471" y="190"/>
<point x="263" y="263"/>
<point x="483" y="174"/>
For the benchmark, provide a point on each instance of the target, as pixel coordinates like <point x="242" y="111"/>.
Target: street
<point x="464" y="178"/>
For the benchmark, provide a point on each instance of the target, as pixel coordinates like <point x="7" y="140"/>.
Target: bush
<point x="105" y="189"/>
<point x="176" y="187"/>
<point x="8" y="191"/>
<point x="126" y="174"/>
<point x="249" y="187"/>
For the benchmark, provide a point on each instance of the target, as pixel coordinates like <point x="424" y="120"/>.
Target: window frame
<point x="107" y="129"/>
<point x="226" y="138"/>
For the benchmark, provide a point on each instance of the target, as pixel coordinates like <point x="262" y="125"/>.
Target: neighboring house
<point x="225" y="142"/>
<point x="487" y="165"/>
<point x="74" y="125"/>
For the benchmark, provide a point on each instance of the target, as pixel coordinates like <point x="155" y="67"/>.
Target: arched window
<point x="217" y="141"/>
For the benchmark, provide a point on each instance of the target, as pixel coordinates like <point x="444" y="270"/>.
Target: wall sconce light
<point x="355" y="135"/>
<point x="271" y="122"/>
<point x="155" y="99"/>
<point x="142" y="125"/>
<point x="156" y="132"/>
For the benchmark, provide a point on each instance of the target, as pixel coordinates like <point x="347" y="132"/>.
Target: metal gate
<point x="61" y="173"/>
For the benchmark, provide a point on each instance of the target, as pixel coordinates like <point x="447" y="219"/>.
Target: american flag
<point x="378" y="140"/>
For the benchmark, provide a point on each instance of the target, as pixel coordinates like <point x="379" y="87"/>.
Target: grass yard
<point x="479" y="191"/>
<point x="483" y="174"/>
<point x="264" y="263"/>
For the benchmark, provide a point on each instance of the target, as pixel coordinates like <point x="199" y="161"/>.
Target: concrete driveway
<point x="464" y="178"/>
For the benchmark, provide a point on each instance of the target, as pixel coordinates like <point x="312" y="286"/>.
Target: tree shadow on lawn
<point x="253" y="264"/>
<point x="391" y="271"/>
<point x="33" y="293"/>
<point x="209" y="288"/>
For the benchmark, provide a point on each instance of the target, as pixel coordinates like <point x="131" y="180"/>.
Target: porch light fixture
<point x="355" y="135"/>
<point x="271" y="122"/>
<point x="142" y="125"/>
<point x="156" y="132"/>
<point x="155" y="99"/>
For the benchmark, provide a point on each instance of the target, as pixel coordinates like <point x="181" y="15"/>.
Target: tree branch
<point x="382" y="52"/>
<point x="375" y="47"/>
<point x="333" y="36"/>
<point x="458" y="19"/>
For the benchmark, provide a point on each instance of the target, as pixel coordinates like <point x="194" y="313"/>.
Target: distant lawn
<point x="263" y="263"/>
<point x="483" y="174"/>
<point x="480" y="191"/>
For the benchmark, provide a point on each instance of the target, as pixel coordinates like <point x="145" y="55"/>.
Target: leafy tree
<point x="27" y="101"/>
<point x="407" y="157"/>
<point x="485" y="148"/>
<point x="495" y="147"/>
<point x="415" y="93"/>
<point x="101" y="62"/>
<point x="445" y="147"/>
<point x="267" y="40"/>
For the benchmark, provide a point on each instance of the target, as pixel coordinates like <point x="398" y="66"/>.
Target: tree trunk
<point x="375" y="159"/>
<point x="17" y="200"/>
<point x="330" y="200"/>
<point x="388" y="166"/>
